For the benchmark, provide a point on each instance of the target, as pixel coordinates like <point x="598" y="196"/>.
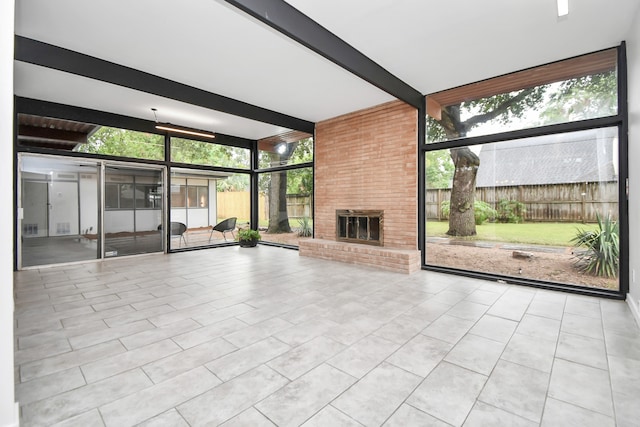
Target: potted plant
<point x="248" y="238"/>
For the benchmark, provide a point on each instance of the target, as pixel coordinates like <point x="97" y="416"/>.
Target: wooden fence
<point x="237" y="203"/>
<point x="572" y="202"/>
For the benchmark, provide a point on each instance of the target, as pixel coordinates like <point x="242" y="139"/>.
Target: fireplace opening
<point x="360" y="226"/>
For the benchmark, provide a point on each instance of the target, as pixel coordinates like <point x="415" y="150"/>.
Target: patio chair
<point x="224" y="226"/>
<point x="178" y="229"/>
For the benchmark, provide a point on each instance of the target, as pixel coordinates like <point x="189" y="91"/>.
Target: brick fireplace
<point x="364" y="162"/>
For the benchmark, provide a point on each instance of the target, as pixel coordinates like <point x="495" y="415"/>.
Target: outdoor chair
<point x="178" y="229"/>
<point x="223" y="227"/>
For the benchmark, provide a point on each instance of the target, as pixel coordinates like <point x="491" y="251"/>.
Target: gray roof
<point x="584" y="156"/>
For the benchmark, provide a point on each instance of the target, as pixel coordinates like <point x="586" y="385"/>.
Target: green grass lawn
<point x="535" y="233"/>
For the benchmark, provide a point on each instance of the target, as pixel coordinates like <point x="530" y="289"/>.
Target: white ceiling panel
<point x="202" y="43"/>
<point x="213" y="46"/>
<point x="434" y="46"/>
<point x="32" y="81"/>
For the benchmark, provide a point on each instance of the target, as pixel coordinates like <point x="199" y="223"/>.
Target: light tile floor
<point x="263" y="337"/>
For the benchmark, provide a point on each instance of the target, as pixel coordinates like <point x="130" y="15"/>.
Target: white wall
<point x="88" y="203"/>
<point x="633" y="69"/>
<point x="8" y="412"/>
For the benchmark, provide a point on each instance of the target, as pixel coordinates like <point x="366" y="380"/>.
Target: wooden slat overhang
<point x="580" y="66"/>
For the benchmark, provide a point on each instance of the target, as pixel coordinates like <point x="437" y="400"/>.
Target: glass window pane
<point x="541" y="96"/>
<point x="124" y="143"/>
<point x="278" y="153"/>
<point x="135" y="227"/>
<point x="208" y="153"/>
<point x="126" y="196"/>
<point x="533" y="198"/>
<point x="178" y="196"/>
<point x="59" y="198"/>
<point x="363" y="228"/>
<point x="148" y="196"/>
<point x="342" y="226"/>
<point x="203" y="197"/>
<point x="192" y="197"/>
<point x="374" y="228"/>
<point x="213" y="197"/>
<point x="284" y="205"/>
<point x="111" y="196"/>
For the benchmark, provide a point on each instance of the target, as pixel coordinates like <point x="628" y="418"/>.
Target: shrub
<point x="510" y="211"/>
<point x="601" y="257"/>
<point x="482" y="211"/>
<point x="305" y="227"/>
<point x="248" y="234"/>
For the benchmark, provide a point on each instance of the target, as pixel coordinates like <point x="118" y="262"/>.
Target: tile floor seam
<point x="604" y="338"/>
<point x="578" y="308"/>
<point x="555" y="351"/>
<point x="342" y="412"/>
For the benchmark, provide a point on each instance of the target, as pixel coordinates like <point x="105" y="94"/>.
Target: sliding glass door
<point x="59" y="210"/>
<point x="133" y="210"/>
<point x="69" y="212"/>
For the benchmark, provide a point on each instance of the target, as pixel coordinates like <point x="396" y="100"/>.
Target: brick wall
<point x="368" y="160"/>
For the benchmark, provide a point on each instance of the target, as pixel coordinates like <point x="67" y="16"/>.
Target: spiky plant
<point x="602" y="248"/>
<point x="305" y="227"/>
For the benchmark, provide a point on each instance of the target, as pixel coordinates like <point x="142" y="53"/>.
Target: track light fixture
<point x="168" y="127"/>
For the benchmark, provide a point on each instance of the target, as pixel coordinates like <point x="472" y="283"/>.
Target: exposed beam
<point x="294" y="24"/>
<point x="37" y="133"/>
<point x="84" y="115"/>
<point x="50" y="56"/>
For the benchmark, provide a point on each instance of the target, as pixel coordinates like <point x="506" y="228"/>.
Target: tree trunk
<point x="463" y="192"/>
<point x="278" y="217"/>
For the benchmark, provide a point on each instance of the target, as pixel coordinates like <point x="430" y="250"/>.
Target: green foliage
<point x="124" y="143"/>
<point x="299" y="181"/>
<point x="305" y="227"/>
<point x="481" y="211"/>
<point x="207" y="153"/>
<point x="510" y="211"/>
<point x="235" y="182"/>
<point x="248" y="234"/>
<point x="439" y="169"/>
<point x="602" y="254"/>
<point x="583" y="98"/>
<point x="570" y="100"/>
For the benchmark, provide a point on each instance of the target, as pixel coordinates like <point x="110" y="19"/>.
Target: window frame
<point x="620" y="121"/>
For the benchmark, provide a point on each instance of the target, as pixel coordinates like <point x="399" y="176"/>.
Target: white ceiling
<point x="431" y="45"/>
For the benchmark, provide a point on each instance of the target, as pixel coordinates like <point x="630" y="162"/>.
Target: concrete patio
<point x="253" y="337"/>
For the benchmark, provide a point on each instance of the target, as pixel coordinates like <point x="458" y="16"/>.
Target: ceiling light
<point x="179" y="129"/>
<point x="563" y="7"/>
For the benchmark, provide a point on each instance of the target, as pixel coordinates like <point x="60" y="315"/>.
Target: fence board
<point x="570" y="202"/>
<point x="237" y="203"/>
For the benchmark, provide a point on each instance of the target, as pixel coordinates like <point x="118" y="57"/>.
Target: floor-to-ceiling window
<point x="150" y="192"/>
<point x="210" y="186"/>
<point x="285" y="188"/>
<point x="524" y="176"/>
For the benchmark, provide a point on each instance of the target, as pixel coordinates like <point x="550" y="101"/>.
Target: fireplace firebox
<point x="360" y="226"/>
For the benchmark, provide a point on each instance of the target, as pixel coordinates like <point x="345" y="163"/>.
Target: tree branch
<point x="500" y="109"/>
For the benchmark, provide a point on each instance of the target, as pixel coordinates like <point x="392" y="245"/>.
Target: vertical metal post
<point x="422" y="131"/>
<point x="254" y="197"/>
